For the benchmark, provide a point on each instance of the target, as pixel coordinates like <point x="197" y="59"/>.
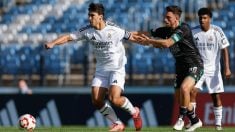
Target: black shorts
<point x="182" y="72"/>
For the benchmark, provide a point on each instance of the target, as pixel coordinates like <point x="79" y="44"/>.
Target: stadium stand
<point x="25" y="27"/>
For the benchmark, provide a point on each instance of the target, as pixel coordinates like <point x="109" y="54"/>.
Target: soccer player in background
<point x="211" y="42"/>
<point x="109" y="76"/>
<point x="177" y="36"/>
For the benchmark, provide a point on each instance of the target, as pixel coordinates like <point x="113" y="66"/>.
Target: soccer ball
<point x="27" y="122"/>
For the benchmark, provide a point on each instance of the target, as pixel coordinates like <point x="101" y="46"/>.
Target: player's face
<point x="95" y="19"/>
<point x="171" y="19"/>
<point x="204" y="21"/>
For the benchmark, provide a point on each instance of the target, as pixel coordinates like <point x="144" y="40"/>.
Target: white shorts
<point x="214" y="83"/>
<point x="107" y="78"/>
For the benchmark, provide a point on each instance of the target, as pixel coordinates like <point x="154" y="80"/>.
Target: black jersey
<point x="184" y="50"/>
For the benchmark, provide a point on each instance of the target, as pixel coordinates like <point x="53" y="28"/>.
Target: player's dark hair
<point x="96" y="7"/>
<point x="174" y="9"/>
<point x="204" y="11"/>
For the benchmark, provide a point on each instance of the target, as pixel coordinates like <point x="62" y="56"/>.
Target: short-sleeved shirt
<point x="209" y="44"/>
<point x="184" y="49"/>
<point x="106" y="44"/>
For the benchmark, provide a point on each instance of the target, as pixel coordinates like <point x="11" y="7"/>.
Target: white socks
<point x="194" y="106"/>
<point x="128" y="106"/>
<point x="108" y="112"/>
<point x="218" y="111"/>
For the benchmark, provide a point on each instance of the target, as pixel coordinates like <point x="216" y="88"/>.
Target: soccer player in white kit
<point x="106" y="39"/>
<point x="211" y="41"/>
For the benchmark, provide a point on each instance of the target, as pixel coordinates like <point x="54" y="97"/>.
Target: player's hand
<point x="49" y="45"/>
<point x="143" y="39"/>
<point x="227" y="73"/>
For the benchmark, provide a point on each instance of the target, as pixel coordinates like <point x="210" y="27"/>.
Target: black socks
<point x="192" y="117"/>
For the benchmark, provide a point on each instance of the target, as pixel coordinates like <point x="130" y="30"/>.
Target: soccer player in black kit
<point x="177" y="36"/>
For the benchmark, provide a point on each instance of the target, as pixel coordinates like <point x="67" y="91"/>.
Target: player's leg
<point x="98" y="93"/>
<point x="193" y="96"/>
<point x="124" y="103"/>
<point x="193" y="93"/>
<point x="195" y="73"/>
<point x="183" y="86"/>
<point x="186" y="107"/>
<point x="180" y="122"/>
<point x="178" y="80"/>
<point x="117" y="80"/>
<point x="185" y="89"/>
<point x="215" y="87"/>
<point x="218" y="110"/>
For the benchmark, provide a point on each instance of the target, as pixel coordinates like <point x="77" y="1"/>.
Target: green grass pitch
<point x="103" y="129"/>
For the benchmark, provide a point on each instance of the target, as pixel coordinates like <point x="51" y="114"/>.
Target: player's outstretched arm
<point x="145" y="38"/>
<point x="138" y="38"/>
<point x="160" y="43"/>
<point x="60" y="40"/>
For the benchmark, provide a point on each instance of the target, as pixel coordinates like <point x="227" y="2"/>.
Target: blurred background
<point x="26" y="25"/>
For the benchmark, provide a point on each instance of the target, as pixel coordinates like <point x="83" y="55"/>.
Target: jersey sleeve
<point x="176" y="37"/>
<point x="180" y="33"/>
<point x="123" y="34"/>
<point x="162" y="32"/>
<point x="127" y="35"/>
<point x="80" y="34"/>
<point x="223" y="41"/>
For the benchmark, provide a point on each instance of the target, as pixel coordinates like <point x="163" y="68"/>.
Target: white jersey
<point x="209" y="44"/>
<point x="107" y="45"/>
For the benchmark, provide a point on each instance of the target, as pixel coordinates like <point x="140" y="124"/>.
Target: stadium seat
<point x="11" y="60"/>
<point x="219" y="23"/>
<point x="6" y="19"/>
<point x="78" y="53"/>
<point x="29" y="60"/>
<point x="55" y="60"/>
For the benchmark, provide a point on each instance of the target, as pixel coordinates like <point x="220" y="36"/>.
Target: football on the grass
<point x="27" y="122"/>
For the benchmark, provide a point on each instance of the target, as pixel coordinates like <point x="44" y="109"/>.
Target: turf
<point x="97" y="129"/>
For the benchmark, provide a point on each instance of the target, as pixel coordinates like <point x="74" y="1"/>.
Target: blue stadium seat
<point x="221" y="24"/>
<point x="141" y="64"/>
<point x="38" y="2"/>
<point x="49" y="20"/>
<point x="29" y="60"/>
<point x="229" y="34"/>
<point x="42" y="28"/>
<point x="158" y="67"/>
<point x="55" y="60"/>
<point x="230" y="24"/>
<point x="168" y="63"/>
<point x="25" y="9"/>
<point x="78" y="53"/>
<point x="6" y="19"/>
<point x="10" y="62"/>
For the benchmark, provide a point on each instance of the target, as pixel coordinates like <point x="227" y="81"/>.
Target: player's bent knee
<point x="115" y="100"/>
<point x="184" y="89"/>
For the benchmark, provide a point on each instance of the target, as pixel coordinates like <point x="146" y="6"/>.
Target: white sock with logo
<point x="128" y="106"/>
<point x="194" y="104"/>
<point x="218" y="112"/>
<point x="108" y="112"/>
